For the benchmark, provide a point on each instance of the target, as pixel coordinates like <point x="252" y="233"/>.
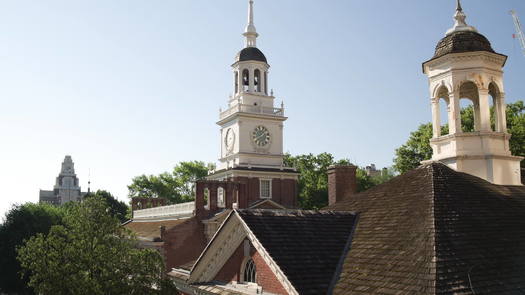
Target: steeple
<point x="460" y="23"/>
<point x="250" y="32"/>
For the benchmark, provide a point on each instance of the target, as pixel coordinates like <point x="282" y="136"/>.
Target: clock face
<point x="229" y="139"/>
<point x="261" y="136"/>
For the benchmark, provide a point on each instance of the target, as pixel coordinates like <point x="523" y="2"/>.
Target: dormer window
<point x="250" y="272"/>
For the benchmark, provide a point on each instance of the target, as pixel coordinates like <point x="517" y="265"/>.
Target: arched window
<point x="236" y="82"/>
<point x="245" y="80"/>
<point x="220" y="198"/>
<point x="257" y="80"/>
<point x="497" y="112"/>
<point x="250" y="272"/>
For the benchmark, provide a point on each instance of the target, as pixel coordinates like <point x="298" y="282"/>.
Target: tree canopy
<point x="21" y="223"/>
<point x="417" y="148"/>
<point x="91" y="254"/>
<point x="117" y="208"/>
<point x="176" y="186"/>
<point x="313" y="178"/>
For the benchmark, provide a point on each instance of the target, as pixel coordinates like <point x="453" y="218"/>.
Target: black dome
<point x="250" y="53"/>
<point x="462" y="41"/>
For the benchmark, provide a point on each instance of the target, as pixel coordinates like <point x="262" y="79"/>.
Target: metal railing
<point x="178" y="210"/>
<point x="246" y="108"/>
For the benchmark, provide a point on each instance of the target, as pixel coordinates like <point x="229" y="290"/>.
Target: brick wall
<point x="342" y="183"/>
<point x="284" y="191"/>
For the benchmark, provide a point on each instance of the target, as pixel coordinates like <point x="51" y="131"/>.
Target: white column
<point x="251" y="80"/>
<point x="484" y="110"/>
<point x="454" y="116"/>
<point x="502" y="114"/>
<point x="436" y="118"/>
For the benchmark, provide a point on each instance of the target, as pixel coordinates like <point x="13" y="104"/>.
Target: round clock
<point x="229" y="139"/>
<point x="261" y="136"/>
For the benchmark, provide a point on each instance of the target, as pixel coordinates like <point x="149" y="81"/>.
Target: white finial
<point x="460" y="24"/>
<point x="250" y="32"/>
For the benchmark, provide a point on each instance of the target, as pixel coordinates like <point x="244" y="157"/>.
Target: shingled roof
<point x="436" y="231"/>
<point x="307" y="245"/>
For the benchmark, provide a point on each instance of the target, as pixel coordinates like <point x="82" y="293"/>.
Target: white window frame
<point x="269" y="180"/>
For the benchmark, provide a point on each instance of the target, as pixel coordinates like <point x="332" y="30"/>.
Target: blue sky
<point x="130" y="87"/>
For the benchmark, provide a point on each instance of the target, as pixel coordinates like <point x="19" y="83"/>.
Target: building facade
<point x="66" y="188"/>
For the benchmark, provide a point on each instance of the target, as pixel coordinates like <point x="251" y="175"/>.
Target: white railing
<point x="246" y="108"/>
<point x="178" y="210"/>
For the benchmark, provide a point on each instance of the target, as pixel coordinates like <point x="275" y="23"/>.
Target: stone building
<point x="67" y="187"/>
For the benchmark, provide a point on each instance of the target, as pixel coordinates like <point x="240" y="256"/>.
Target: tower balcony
<point x="252" y="109"/>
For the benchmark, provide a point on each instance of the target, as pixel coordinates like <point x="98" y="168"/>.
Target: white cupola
<point x="465" y="66"/>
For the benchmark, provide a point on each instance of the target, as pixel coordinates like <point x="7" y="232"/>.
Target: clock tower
<point x="251" y="127"/>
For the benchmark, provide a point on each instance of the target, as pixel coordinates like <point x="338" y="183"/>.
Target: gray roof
<point x="250" y="53"/>
<point x="433" y="230"/>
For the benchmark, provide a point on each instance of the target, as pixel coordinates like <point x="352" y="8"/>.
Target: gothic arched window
<point x="250" y="272"/>
<point x="257" y="80"/>
<point x="245" y="80"/>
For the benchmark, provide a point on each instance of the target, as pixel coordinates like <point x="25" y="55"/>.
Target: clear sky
<point x="128" y="87"/>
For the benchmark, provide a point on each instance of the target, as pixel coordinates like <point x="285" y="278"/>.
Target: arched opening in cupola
<point x="470" y="109"/>
<point x="245" y="80"/>
<point x="443" y="111"/>
<point x="497" y="110"/>
<point x="236" y="82"/>
<point x="257" y="80"/>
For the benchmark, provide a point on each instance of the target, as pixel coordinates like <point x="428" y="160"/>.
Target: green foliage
<point x="417" y="148"/>
<point x="117" y="208"/>
<point x="313" y="180"/>
<point x="90" y="254"/>
<point x="21" y="223"/>
<point x="177" y="186"/>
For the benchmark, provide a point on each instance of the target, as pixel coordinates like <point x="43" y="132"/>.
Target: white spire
<point x="250" y="32"/>
<point x="460" y="24"/>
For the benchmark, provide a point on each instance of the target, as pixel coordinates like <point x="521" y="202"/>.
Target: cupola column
<point x="436" y="118"/>
<point x="502" y="113"/>
<point x="484" y="110"/>
<point x="454" y="115"/>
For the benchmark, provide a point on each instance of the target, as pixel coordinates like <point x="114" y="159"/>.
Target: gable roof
<point x="303" y="247"/>
<point x="436" y="231"/>
<point x="307" y="245"/>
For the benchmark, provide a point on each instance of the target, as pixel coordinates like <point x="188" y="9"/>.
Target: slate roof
<point x="307" y="245"/>
<point x="436" y="231"/>
<point x="250" y="53"/>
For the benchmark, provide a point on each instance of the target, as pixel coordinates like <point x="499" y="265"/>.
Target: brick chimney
<point x="342" y="183"/>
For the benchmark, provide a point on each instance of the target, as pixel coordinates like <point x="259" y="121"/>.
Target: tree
<point x="21" y="223"/>
<point x="417" y="148"/>
<point x="176" y="187"/>
<point x="91" y="254"/>
<point x="117" y="208"/>
<point x="313" y="178"/>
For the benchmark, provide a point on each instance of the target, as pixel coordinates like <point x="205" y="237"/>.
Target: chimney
<point x="342" y="183"/>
